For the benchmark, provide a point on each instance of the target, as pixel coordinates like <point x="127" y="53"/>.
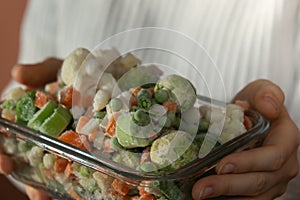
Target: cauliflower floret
<point x="72" y="65"/>
<point x="15" y="94"/>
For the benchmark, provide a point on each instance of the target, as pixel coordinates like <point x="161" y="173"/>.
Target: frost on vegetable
<point x="175" y="149"/>
<point x="125" y="113"/>
<point x="138" y="76"/>
<point x="72" y="64"/>
<point x="131" y="135"/>
<point x="181" y="90"/>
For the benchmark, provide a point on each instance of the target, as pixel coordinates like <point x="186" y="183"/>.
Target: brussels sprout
<point x="181" y="90"/>
<point x="138" y="76"/>
<point x="130" y="134"/>
<point x="116" y="104"/>
<point x="175" y="149"/>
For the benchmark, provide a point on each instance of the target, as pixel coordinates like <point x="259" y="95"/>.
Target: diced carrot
<point x="111" y="127"/>
<point x="83" y="120"/>
<point x="244" y="104"/>
<point x="118" y="196"/>
<point x="48" y="173"/>
<point x="133" y="101"/>
<point x="107" y="146"/>
<point x="8" y="114"/>
<point x="247" y="123"/>
<point x="72" y="138"/>
<point x="82" y="100"/>
<point x="91" y="131"/>
<point x="92" y="136"/>
<point x="85" y="142"/>
<point x="69" y="170"/>
<point x="170" y="105"/>
<point x="75" y="195"/>
<point x="60" y="165"/>
<point x="145" y="156"/>
<point x="147" y="197"/>
<point x="65" y="96"/>
<point x="52" y="88"/>
<point x="151" y="90"/>
<point x="136" y="197"/>
<point x="121" y="187"/>
<point x="41" y="99"/>
<point x="142" y="191"/>
<point x="124" y="198"/>
<point x="135" y="91"/>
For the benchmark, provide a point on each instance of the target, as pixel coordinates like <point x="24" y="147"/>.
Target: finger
<point x="37" y="75"/>
<point x="268" y="158"/>
<point x="263" y="96"/>
<point x="265" y="184"/>
<point x="280" y="144"/>
<point x="6" y="164"/>
<point x="249" y="184"/>
<point x="274" y="192"/>
<point x="35" y="194"/>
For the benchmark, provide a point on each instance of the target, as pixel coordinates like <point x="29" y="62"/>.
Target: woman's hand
<point x="33" y="76"/>
<point x="264" y="172"/>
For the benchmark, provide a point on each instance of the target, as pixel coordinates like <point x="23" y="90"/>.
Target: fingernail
<point x="272" y="100"/>
<point x="206" y="192"/>
<point x="226" y="169"/>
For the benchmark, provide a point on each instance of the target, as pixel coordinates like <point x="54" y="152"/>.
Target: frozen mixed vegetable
<point x="135" y="116"/>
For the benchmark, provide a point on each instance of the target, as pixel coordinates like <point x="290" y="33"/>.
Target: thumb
<point x="264" y="96"/>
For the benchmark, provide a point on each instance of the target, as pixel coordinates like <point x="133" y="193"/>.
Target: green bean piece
<point x="161" y="95"/>
<point x="141" y="117"/>
<point x="116" y="104"/>
<point x="144" y="102"/>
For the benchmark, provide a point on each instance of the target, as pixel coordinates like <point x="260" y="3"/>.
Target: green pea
<point x="115" y="143"/>
<point x="144" y="93"/>
<point x="84" y="171"/>
<point x="148" y="167"/>
<point x="134" y="108"/>
<point x="176" y="122"/>
<point x="24" y="146"/>
<point x="171" y="116"/>
<point x="100" y="114"/>
<point x="203" y="125"/>
<point x="165" y="123"/>
<point x="141" y="117"/>
<point x="116" y="104"/>
<point x="161" y="95"/>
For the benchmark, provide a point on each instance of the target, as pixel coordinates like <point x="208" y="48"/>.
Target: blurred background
<point x="11" y="13"/>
